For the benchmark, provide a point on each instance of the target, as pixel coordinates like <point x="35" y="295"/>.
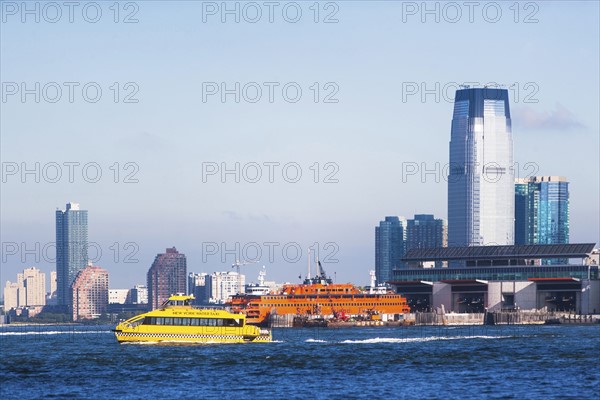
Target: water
<point x="407" y="362"/>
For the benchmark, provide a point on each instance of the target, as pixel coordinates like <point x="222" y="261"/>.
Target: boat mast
<point x="308" y="276"/>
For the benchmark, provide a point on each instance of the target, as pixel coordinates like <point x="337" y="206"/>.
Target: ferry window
<point x="220" y="322"/>
<point x="168" y="321"/>
<point x="160" y="321"/>
<point x="148" y="321"/>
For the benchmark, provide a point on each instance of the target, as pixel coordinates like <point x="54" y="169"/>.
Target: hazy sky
<point x="361" y="117"/>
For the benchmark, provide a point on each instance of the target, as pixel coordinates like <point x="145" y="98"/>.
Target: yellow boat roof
<point x="181" y="297"/>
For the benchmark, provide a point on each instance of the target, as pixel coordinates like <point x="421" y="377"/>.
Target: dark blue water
<point x="526" y="362"/>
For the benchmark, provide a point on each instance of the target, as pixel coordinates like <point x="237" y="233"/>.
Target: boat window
<point x="233" y="322"/>
<point x="168" y="321"/>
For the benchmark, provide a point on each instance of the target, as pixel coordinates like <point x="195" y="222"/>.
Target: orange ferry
<point x="319" y="296"/>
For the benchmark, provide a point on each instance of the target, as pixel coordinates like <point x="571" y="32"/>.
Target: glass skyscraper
<point x="71" y="249"/>
<point x="481" y="178"/>
<point x="390" y="238"/>
<point x="542" y="210"/>
<point x="425" y="232"/>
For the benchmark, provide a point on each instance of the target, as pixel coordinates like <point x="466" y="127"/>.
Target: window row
<point x="175" y="321"/>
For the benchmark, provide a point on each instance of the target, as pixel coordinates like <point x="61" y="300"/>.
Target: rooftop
<point x="573" y="250"/>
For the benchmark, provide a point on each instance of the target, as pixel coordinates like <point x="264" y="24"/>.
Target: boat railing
<point x="202" y="307"/>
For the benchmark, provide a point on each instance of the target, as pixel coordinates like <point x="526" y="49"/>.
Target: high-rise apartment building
<point x="542" y="210"/>
<point x="71" y="249"/>
<point x="29" y="290"/>
<point x="224" y="285"/>
<point x="14" y="296"/>
<point x="33" y="282"/>
<point x="390" y="238"/>
<point x="89" y="292"/>
<point x="481" y="176"/>
<point x="166" y="276"/>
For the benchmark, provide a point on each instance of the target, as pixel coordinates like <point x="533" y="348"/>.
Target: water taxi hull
<point x="189" y="338"/>
<point x="179" y="321"/>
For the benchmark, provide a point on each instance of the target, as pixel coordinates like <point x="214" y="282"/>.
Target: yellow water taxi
<point x="178" y="321"/>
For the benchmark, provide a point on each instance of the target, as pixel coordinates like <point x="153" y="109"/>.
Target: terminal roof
<point x="572" y="250"/>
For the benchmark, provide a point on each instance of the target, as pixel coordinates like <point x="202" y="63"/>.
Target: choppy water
<point x="409" y="362"/>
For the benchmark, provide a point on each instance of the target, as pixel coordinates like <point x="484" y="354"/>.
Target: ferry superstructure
<point x="178" y="321"/>
<point x="319" y="296"/>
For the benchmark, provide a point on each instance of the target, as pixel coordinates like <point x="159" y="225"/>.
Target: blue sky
<point x="367" y="58"/>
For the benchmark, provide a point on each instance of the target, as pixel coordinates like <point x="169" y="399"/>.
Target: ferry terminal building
<point x="496" y="278"/>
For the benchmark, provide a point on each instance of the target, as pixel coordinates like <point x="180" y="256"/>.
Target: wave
<point x="315" y="341"/>
<point x="49" y="333"/>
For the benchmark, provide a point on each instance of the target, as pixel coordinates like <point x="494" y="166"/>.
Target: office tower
<point x="71" y="249"/>
<point x="542" y="210"/>
<point x="166" y="276"/>
<point x="481" y="177"/>
<point x="89" y="292"/>
<point x="197" y="285"/>
<point x="390" y="238"/>
<point x="424" y="232"/>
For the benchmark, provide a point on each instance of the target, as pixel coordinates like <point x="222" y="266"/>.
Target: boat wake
<point x="422" y="339"/>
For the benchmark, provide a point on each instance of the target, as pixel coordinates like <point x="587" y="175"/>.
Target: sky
<point x="295" y="126"/>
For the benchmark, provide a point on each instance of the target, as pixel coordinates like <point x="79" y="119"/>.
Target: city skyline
<point x="151" y="193"/>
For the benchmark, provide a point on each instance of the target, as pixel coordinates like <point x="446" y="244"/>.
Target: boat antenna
<point x="308" y="276"/>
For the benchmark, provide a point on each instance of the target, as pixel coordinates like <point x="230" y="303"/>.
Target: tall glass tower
<point x="390" y="237"/>
<point x="71" y="249"/>
<point x="542" y="210"/>
<point x="481" y="190"/>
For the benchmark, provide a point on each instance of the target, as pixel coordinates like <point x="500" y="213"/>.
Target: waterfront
<point x="405" y="362"/>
